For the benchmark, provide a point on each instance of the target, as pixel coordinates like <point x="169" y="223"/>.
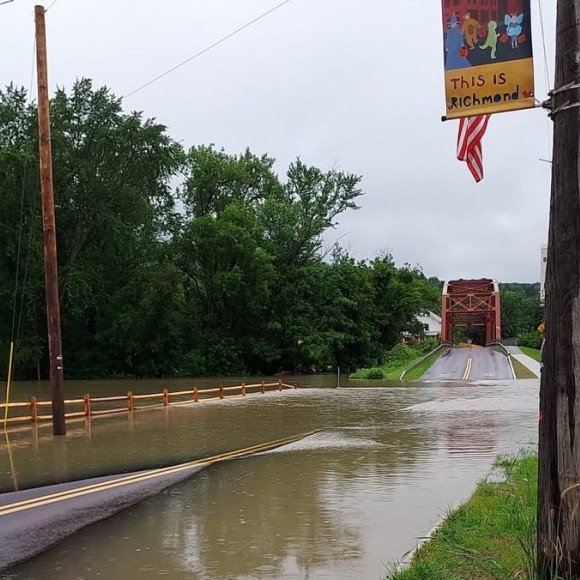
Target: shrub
<point x="375" y="373"/>
<point x="426" y="345"/>
<point x="399" y="355"/>
<point x="531" y="339"/>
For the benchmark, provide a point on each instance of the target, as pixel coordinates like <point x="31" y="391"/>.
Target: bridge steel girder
<point x="471" y="303"/>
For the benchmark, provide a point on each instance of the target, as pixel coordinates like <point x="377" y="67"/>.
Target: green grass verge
<point x="395" y="362"/>
<point x="389" y="373"/>
<point x="531" y="352"/>
<point x="521" y="371"/>
<point x="492" y="535"/>
<point x="423" y="367"/>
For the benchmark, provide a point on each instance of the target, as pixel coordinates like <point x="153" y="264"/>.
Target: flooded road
<point x="345" y="502"/>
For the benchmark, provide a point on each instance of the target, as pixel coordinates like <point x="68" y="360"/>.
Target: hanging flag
<point x="471" y="131"/>
<point x="488" y="56"/>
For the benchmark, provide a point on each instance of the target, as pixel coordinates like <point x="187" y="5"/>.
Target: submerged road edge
<point x="33" y="520"/>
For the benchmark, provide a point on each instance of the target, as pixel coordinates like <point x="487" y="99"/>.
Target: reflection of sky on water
<point x="384" y="468"/>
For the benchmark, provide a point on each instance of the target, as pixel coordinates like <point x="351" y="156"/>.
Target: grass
<point x="531" y="352"/>
<point x="492" y="535"/>
<point x="521" y="371"/>
<point x="423" y="367"/>
<point x="395" y="362"/>
<point x="390" y="373"/>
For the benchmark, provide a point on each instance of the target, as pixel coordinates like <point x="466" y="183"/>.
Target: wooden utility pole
<point x="49" y="231"/>
<point x="559" y="430"/>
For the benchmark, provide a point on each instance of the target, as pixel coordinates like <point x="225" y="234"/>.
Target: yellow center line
<point x="467" y="369"/>
<point x="104" y="486"/>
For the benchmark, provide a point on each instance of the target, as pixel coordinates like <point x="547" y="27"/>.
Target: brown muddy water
<point x="344" y="503"/>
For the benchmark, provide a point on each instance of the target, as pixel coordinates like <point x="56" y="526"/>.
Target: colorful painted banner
<point x="488" y="56"/>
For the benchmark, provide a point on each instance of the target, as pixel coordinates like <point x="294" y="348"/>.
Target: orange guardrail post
<point x="165" y="397"/>
<point x="33" y="410"/>
<point x="279" y="384"/>
<point x="244" y="389"/>
<point x="129" y="400"/>
<point x="195" y="395"/>
<point x="87" y="402"/>
<point x="221" y="391"/>
<point x="263" y="388"/>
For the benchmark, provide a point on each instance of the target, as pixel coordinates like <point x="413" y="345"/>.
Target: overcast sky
<point x="351" y="84"/>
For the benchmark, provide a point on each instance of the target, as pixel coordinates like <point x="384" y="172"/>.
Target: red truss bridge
<point x="471" y="303"/>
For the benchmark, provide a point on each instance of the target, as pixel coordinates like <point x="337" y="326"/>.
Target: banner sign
<point x="488" y="56"/>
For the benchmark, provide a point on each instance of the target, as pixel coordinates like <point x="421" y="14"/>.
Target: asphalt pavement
<point x="474" y="364"/>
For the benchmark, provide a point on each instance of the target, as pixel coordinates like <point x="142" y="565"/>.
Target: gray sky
<point x="356" y="85"/>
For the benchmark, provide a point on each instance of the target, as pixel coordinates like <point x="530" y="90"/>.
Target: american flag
<point x="471" y="131"/>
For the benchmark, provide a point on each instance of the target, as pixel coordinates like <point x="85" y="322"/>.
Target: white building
<point x="431" y="323"/>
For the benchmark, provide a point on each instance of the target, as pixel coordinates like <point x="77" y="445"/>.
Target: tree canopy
<point x="178" y="262"/>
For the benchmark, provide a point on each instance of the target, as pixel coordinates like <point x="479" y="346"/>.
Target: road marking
<point x="152" y="474"/>
<point x="467" y="369"/>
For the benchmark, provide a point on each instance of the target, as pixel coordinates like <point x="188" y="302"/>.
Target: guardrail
<point x="130" y="402"/>
<point x="420" y="360"/>
<point x="501" y="347"/>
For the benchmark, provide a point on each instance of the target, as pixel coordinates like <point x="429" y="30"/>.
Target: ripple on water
<point x="328" y="439"/>
<point x="510" y="404"/>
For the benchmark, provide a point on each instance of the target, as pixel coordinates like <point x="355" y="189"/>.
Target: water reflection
<point x="380" y="473"/>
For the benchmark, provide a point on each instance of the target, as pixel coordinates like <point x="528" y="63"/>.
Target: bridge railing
<point x="36" y="411"/>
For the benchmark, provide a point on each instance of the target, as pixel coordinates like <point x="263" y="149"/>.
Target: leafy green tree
<point x="113" y="202"/>
<point x="308" y="205"/>
<point x="230" y="274"/>
<point x="21" y="268"/>
<point x="234" y="279"/>
<point x="521" y="311"/>
<point x="399" y="298"/>
<point x="215" y="179"/>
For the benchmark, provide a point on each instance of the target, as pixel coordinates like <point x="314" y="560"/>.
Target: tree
<point x="235" y="279"/>
<point x="230" y="275"/>
<point x="21" y="313"/>
<point x="307" y="206"/>
<point x="114" y="205"/>
<point x="520" y="310"/>
<point x="399" y="298"/>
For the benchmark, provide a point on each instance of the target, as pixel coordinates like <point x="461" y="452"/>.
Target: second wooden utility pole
<point x="559" y="430"/>
<point x="49" y="231"/>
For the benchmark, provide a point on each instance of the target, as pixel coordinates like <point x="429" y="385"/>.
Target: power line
<point x="546" y="69"/>
<point x="22" y="198"/>
<point x="205" y="49"/>
<point x="53" y="3"/>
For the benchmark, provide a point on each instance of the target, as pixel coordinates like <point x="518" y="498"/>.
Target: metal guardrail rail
<point x="420" y="360"/>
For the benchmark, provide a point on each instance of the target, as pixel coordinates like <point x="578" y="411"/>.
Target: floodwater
<point x="345" y="503"/>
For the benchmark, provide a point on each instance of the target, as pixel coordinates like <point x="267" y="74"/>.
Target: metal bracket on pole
<point x="548" y="104"/>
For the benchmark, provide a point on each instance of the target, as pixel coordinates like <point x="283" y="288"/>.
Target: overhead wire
<point x="27" y="260"/>
<point x="546" y="69"/>
<point x="51" y="5"/>
<point x="13" y="338"/>
<point x="22" y="197"/>
<point x="542" y="27"/>
<point x="207" y="49"/>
